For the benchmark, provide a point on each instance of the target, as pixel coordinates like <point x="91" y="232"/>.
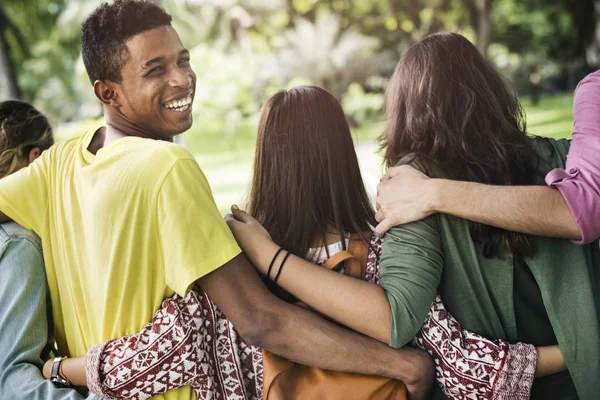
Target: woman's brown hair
<point x="306" y="174"/>
<point x="22" y="128"/>
<point x="449" y="109"/>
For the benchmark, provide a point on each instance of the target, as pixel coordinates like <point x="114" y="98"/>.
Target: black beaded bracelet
<point x="281" y="267"/>
<point x="273" y="262"/>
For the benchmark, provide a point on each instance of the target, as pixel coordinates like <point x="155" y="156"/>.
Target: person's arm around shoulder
<point x="25" y="325"/>
<point x="571" y="212"/>
<point x="355" y="303"/>
<point x="409" y="276"/>
<point x="405" y="195"/>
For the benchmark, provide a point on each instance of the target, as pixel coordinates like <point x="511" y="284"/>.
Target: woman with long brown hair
<point x="452" y="115"/>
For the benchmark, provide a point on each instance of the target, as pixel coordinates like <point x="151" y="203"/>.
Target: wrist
<point x="56" y="373"/>
<point x="265" y="256"/>
<point x="434" y="195"/>
<point x="47" y="368"/>
<point x="414" y="366"/>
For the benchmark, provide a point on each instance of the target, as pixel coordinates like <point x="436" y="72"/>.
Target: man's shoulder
<point x="160" y="153"/>
<point x="64" y="149"/>
<point x="150" y="162"/>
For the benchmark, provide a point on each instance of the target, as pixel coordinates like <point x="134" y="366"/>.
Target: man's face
<point x="158" y="84"/>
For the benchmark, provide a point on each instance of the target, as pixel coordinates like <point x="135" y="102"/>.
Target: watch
<point x="56" y="376"/>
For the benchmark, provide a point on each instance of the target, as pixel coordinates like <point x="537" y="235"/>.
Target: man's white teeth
<point x="180" y="105"/>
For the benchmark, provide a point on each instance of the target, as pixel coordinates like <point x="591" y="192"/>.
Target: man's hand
<point x="404" y="195"/>
<point x="251" y="236"/>
<point x="421" y="382"/>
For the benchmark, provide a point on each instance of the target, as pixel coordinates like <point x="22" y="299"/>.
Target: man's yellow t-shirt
<point x="121" y="230"/>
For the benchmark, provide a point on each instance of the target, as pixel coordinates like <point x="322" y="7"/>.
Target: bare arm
<point x="550" y="361"/>
<point x="406" y="195"/>
<point x="265" y="321"/>
<point x="537" y="210"/>
<point x="355" y="303"/>
<point x="72" y="368"/>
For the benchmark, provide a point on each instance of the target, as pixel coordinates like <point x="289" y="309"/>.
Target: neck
<point x="119" y="126"/>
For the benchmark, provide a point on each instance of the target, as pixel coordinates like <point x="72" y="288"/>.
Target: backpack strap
<point x="355" y="257"/>
<point x="337" y="258"/>
<point x="360" y="249"/>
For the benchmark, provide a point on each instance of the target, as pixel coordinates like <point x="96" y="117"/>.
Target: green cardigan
<point x="438" y="255"/>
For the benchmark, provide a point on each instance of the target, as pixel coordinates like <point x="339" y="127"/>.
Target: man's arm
<point x="405" y="195"/>
<point x="265" y="321"/>
<point x="579" y="181"/>
<point x="25" y="328"/>
<point x="571" y="212"/>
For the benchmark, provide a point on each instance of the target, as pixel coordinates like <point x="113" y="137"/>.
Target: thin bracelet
<point x="273" y="262"/>
<point x="281" y="267"/>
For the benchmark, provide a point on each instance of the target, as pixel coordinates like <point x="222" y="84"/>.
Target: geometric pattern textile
<point x="190" y="342"/>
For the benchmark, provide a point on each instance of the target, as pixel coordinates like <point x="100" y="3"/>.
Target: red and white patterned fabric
<point x="467" y="365"/>
<point x="191" y="342"/>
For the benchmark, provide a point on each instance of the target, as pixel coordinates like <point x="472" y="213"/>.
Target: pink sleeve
<point x="162" y="357"/>
<point x="579" y="182"/>
<point x="470" y="366"/>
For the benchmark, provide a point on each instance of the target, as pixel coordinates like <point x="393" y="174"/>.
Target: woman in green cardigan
<point x="451" y="115"/>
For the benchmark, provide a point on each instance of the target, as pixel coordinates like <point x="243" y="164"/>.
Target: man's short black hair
<point x="107" y="29"/>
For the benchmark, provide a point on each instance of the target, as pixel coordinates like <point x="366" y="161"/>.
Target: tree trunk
<point x="593" y="50"/>
<point x="484" y="26"/>
<point x="8" y="83"/>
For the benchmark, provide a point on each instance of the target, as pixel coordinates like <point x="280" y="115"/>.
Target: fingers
<point x="240" y="215"/>
<point x="383" y="227"/>
<point x="230" y="219"/>
<point x="379" y="215"/>
<point x="392" y="172"/>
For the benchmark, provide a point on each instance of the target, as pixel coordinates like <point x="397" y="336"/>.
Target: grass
<point x="227" y="161"/>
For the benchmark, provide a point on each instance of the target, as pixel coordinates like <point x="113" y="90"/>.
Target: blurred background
<point x="243" y="51"/>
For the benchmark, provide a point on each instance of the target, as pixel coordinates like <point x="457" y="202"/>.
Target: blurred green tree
<point x="258" y="46"/>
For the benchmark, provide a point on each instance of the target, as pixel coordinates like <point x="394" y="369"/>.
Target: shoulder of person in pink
<point x="579" y="182"/>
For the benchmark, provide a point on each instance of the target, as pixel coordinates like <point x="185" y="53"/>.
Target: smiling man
<point x="127" y="218"/>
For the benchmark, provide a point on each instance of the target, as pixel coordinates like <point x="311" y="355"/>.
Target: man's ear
<point x="33" y="154"/>
<point x="106" y="92"/>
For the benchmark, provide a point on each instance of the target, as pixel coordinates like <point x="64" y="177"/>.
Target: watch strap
<point x="56" y="376"/>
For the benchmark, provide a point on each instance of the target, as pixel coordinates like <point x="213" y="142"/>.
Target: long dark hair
<point x="306" y="174"/>
<point x="449" y="108"/>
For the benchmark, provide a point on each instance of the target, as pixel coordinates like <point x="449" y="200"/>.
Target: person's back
<point x="100" y="230"/>
<point x="498" y="283"/>
<point x="530" y="300"/>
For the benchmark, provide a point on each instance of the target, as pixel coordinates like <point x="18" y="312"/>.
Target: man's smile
<point x="179" y="105"/>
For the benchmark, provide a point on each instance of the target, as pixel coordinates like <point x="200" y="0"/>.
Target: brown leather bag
<point x="286" y="380"/>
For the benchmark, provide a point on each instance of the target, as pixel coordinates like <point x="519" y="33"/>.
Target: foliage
<point x="245" y="50"/>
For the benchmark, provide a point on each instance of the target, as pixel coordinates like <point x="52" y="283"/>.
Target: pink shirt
<point x="579" y="182"/>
